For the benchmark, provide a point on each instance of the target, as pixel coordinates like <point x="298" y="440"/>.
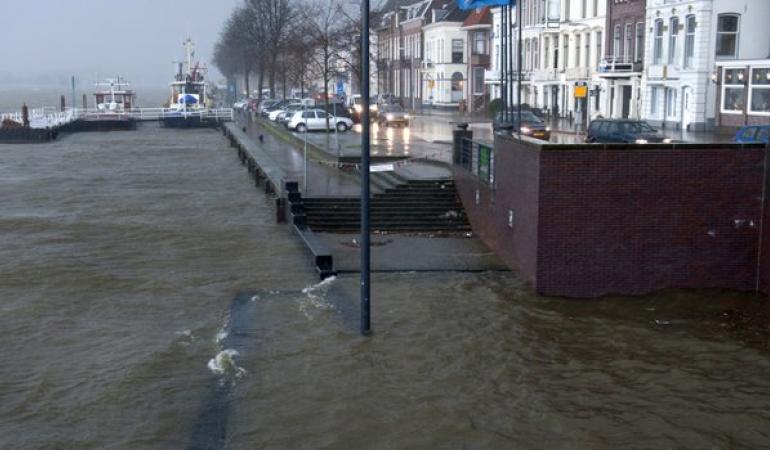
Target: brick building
<point x="621" y="69"/>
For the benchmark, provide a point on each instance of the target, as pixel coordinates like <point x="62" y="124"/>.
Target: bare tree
<point x="275" y="18"/>
<point x="323" y="19"/>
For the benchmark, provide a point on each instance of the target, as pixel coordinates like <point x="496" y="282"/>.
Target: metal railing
<point x="48" y="117"/>
<point x="477" y="158"/>
<point x="616" y="64"/>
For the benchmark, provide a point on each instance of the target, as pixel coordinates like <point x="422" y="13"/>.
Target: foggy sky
<point x="42" y="41"/>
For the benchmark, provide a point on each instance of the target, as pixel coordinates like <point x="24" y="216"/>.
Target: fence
<point x="48" y="117"/>
<point x="477" y="158"/>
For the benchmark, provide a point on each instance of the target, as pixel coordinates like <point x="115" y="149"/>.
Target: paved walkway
<point x="395" y="252"/>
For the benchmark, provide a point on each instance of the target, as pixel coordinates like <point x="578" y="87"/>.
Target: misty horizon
<point x="51" y="40"/>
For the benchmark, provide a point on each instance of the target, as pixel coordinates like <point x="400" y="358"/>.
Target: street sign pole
<point x="365" y="248"/>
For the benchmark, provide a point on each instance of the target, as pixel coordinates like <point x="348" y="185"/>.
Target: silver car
<point x="393" y="114"/>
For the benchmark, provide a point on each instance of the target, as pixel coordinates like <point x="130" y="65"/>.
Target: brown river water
<point x="148" y="300"/>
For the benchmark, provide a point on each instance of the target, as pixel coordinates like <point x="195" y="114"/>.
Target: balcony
<point x="618" y="65"/>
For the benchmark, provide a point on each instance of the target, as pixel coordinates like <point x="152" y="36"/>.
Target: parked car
<point x="753" y="134"/>
<point x="282" y="108"/>
<point x="531" y="125"/>
<point x="285" y="115"/>
<point x="393" y="114"/>
<point x="626" y="131"/>
<point x="315" y="119"/>
<point x="267" y="104"/>
<point x="272" y="112"/>
<point x="355" y="108"/>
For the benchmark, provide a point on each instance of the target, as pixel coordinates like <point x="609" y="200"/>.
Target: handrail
<point x="478" y="159"/>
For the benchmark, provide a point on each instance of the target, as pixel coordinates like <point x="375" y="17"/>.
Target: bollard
<point x="280" y="210"/>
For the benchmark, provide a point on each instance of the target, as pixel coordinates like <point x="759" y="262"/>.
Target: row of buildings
<point x="680" y="64"/>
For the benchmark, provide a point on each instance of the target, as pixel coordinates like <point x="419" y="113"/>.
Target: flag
<point x="471" y="4"/>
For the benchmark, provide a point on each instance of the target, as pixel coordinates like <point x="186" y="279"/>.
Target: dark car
<point x="753" y="134"/>
<point x="623" y="131"/>
<point x="531" y="125"/>
<point x="393" y="114"/>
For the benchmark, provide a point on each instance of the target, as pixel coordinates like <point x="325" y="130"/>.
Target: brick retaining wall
<point x="591" y="220"/>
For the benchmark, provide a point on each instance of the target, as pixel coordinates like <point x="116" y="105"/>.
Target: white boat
<point x="189" y="90"/>
<point x="113" y="96"/>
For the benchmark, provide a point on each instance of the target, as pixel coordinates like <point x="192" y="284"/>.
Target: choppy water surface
<point x="147" y="300"/>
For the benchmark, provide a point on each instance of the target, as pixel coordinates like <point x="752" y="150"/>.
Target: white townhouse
<point x="563" y="43"/>
<point x="445" y="64"/>
<point x="686" y="41"/>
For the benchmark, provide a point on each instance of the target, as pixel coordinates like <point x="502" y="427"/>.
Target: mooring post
<point x="280" y="210"/>
<point x="25" y="115"/>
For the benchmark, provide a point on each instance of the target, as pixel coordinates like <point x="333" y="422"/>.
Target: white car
<point x="274" y="114"/>
<point x="315" y="119"/>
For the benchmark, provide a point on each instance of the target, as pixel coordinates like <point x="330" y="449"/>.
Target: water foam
<point x="315" y="298"/>
<point x="224" y="364"/>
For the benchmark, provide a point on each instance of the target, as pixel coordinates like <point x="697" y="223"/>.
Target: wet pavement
<point x="426" y="253"/>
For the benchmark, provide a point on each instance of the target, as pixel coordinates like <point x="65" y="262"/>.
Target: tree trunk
<point x="246" y="74"/>
<point x="261" y="81"/>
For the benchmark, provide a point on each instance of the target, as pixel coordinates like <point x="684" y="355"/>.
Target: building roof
<point x="479" y="16"/>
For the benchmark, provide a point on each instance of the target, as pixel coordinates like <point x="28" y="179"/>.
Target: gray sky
<point x="42" y="41"/>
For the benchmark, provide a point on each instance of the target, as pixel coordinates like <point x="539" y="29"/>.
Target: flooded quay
<point x="148" y="300"/>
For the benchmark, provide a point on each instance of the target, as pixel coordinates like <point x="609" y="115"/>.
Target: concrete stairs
<point x="400" y="206"/>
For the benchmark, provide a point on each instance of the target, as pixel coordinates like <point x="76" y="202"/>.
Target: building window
<point x="480" y="43"/>
<point x="673" y="34"/>
<point x="547" y="50"/>
<point x="689" y="41"/>
<point x="598" y="48"/>
<point x="536" y="53"/>
<point x="457" y="51"/>
<point x="654" y="101"/>
<point x="616" y="42"/>
<point x="639" y="42"/>
<point x="657" y="52"/>
<point x="588" y="49"/>
<point x="478" y="80"/>
<point x="583" y="7"/>
<point x="671" y="102"/>
<point x="760" y="91"/>
<point x="727" y="35"/>
<point x="565" y="40"/>
<point x="627" y="47"/>
<point x="733" y="90"/>
<point x="577" y="51"/>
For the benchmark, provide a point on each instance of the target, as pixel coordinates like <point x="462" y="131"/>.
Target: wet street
<point x="149" y="301"/>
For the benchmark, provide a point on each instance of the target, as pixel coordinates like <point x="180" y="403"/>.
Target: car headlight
<point x="667" y="140"/>
<point x="547" y="128"/>
<point x="389" y="116"/>
<point x="374" y="108"/>
<point x="406" y="116"/>
<point x="525" y="130"/>
<point x="641" y="141"/>
<point x="358" y="108"/>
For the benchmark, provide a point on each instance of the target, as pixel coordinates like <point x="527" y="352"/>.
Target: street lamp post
<point x="365" y="248"/>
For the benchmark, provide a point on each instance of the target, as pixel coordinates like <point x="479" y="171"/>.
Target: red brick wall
<point x="596" y="220"/>
<point x="517" y="174"/>
<point x="635" y="221"/>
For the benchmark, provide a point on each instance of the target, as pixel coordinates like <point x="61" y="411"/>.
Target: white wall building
<point x="686" y="39"/>
<point x="445" y="59"/>
<point x="563" y="43"/>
